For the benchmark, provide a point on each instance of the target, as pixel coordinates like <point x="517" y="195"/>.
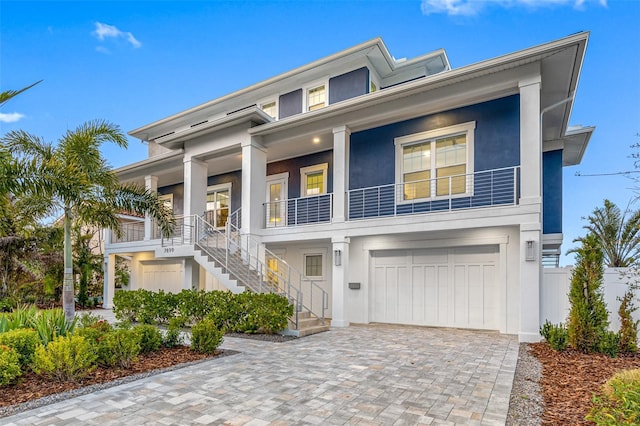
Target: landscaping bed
<point x="570" y="378"/>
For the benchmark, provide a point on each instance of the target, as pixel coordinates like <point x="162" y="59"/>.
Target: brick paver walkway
<point x="377" y="375"/>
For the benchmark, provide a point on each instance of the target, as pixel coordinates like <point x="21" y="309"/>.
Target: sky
<point x="133" y="63"/>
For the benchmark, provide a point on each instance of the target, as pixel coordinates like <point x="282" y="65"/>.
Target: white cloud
<point x="104" y="31"/>
<point x="12" y="117"/>
<point x="103" y="49"/>
<point x="472" y="7"/>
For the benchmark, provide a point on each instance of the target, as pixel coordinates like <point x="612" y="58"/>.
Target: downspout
<point x="550" y="107"/>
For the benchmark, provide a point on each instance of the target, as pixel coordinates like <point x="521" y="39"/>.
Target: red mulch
<point x="570" y="378"/>
<point x="32" y="386"/>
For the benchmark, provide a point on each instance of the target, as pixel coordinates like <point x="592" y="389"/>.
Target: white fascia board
<point x="501" y="63"/>
<point x="151" y="164"/>
<point x="575" y="145"/>
<point x="252" y="114"/>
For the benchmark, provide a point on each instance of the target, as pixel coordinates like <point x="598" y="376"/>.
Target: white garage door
<point x="454" y="287"/>
<point x="162" y="276"/>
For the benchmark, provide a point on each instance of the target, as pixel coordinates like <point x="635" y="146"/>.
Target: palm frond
<point x="7" y="95"/>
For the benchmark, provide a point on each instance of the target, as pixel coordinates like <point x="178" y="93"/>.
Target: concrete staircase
<point x="308" y="324"/>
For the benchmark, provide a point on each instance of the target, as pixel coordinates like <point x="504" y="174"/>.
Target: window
<point x="436" y="163"/>
<point x="316" y="97"/>
<point x="218" y="204"/>
<point x="313" y="180"/>
<point x="166" y="200"/>
<point x="313" y="265"/>
<point x="270" y="107"/>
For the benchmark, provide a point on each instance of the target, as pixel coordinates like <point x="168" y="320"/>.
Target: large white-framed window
<point x="313" y="180"/>
<point x="270" y="106"/>
<point x="316" y="95"/>
<point x="218" y="204"/>
<point x="313" y="264"/>
<point x="436" y="163"/>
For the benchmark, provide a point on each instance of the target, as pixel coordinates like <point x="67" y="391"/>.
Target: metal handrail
<point x="129" y="232"/>
<point x="283" y="274"/>
<point x="485" y="188"/>
<point x="298" y="211"/>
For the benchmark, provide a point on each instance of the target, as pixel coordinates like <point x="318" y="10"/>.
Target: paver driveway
<point x="374" y="374"/>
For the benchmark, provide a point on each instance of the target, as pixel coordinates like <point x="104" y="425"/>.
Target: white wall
<point x="554" y="295"/>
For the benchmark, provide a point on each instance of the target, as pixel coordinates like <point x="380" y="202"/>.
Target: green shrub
<point x="65" y="358"/>
<point x="628" y="334"/>
<point x="87" y="319"/>
<point x="23" y="341"/>
<point x="94" y="332"/>
<point x="149" y="337"/>
<point x="21" y="317"/>
<point x="555" y="335"/>
<point x="51" y="323"/>
<point x="173" y="337"/>
<point x="205" y="337"/>
<point x="588" y="317"/>
<point x="119" y="348"/>
<point x="9" y="365"/>
<point x="193" y="305"/>
<point x="609" y="344"/>
<point x="619" y="401"/>
<point x="227" y="310"/>
<point x="127" y="305"/>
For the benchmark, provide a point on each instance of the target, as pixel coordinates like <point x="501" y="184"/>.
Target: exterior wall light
<point x="337" y="257"/>
<point x="530" y="254"/>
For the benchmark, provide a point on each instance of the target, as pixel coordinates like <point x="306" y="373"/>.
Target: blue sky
<point x="136" y="62"/>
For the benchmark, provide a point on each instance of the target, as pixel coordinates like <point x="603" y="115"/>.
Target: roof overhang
<point x="374" y="51"/>
<point x="559" y="63"/>
<point x="575" y="144"/>
<point x="151" y="166"/>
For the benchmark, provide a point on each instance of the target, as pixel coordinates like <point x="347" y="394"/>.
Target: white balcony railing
<point x="299" y="211"/>
<point x="489" y="188"/>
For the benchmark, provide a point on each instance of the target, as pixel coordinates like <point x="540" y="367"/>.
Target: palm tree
<point x="74" y="181"/>
<point x="8" y="94"/>
<point x="618" y="233"/>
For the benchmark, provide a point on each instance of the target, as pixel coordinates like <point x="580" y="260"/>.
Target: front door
<point x="218" y="204"/>
<point x="276" y="207"/>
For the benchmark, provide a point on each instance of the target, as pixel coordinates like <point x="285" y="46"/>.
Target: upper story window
<point x="270" y="107"/>
<point x="166" y="200"/>
<point x="316" y="97"/>
<point x="437" y="163"/>
<point x="313" y="180"/>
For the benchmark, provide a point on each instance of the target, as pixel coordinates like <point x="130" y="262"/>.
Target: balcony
<point x="130" y="232"/>
<point x="299" y="211"/>
<point x="490" y="188"/>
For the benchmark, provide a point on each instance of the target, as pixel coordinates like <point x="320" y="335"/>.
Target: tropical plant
<point x="72" y="179"/>
<point x="52" y="323"/>
<point x="6" y="95"/>
<point x="618" y="233"/>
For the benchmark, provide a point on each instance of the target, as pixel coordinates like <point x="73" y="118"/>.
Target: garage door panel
<point x="437" y="287"/>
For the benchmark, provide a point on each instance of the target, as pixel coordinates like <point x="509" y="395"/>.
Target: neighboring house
<point x="403" y="191"/>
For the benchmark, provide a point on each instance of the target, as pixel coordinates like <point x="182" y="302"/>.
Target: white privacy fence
<point x="554" y="295"/>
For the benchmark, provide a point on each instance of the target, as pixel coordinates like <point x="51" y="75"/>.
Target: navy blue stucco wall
<point x="290" y="104"/>
<point x="293" y="166"/>
<point x="497" y="140"/>
<point x="552" y="192"/>
<point x="235" y="178"/>
<point x="178" y="196"/>
<point x="349" y="85"/>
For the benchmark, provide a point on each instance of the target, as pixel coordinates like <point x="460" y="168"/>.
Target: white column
<point x="530" y="142"/>
<point x="191" y="271"/>
<point x="340" y="281"/>
<point x="530" y="276"/>
<point x="341" y="140"/>
<point x="109" y="287"/>
<point x="195" y="186"/>
<point x="150" y="184"/>
<point x="254" y="172"/>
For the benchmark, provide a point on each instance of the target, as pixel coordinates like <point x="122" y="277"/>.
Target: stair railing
<point x="314" y="298"/>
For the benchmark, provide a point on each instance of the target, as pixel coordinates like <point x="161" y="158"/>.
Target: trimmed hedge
<point x="243" y="313"/>
<point x="9" y="365"/>
<point x="23" y="341"/>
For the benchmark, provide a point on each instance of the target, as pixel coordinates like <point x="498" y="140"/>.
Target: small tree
<point x="588" y="317"/>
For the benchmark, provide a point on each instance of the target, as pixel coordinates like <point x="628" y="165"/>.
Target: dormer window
<point x="271" y="108"/>
<point x="316" y="97"/>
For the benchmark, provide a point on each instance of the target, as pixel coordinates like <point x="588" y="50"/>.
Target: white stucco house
<point x="369" y="189"/>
